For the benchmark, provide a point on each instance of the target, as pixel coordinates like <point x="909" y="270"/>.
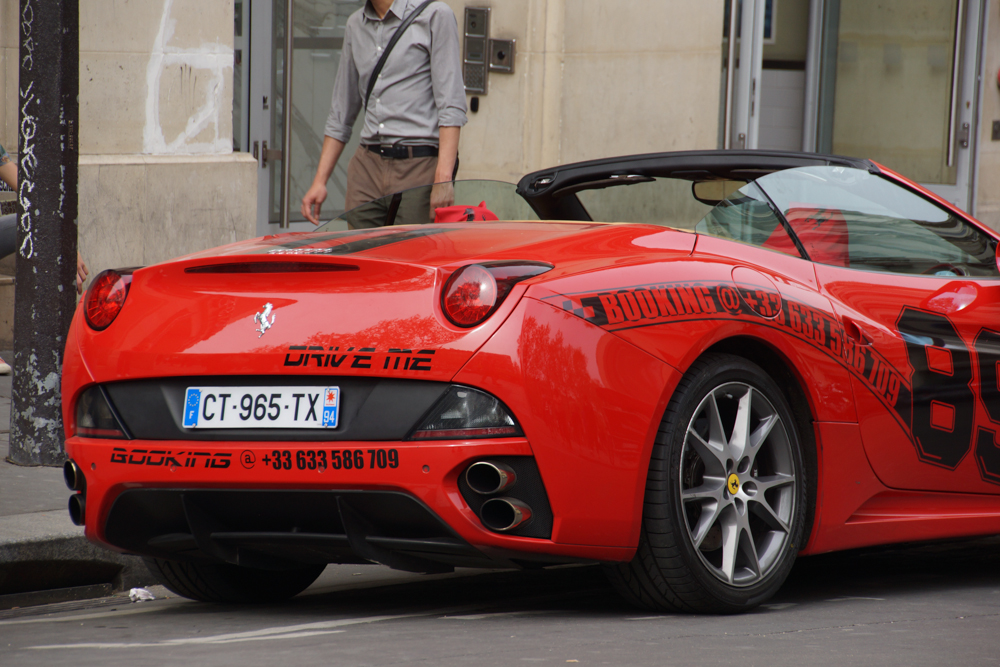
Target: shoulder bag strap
<point x="392" y="42"/>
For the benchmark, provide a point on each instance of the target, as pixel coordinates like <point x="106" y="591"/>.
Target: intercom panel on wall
<point x="476" y="63"/>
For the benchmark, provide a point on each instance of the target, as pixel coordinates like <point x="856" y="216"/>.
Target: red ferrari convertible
<point x="757" y="356"/>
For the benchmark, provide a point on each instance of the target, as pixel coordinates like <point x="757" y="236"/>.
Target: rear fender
<point x="590" y="405"/>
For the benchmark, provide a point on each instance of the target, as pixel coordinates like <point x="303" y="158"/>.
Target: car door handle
<point x="856" y="333"/>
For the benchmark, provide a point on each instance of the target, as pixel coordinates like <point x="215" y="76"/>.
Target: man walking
<point x="414" y="108"/>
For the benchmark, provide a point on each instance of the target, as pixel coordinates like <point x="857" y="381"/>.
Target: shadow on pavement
<point x="885" y="573"/>
<point x="876" y="573"/>
<point x="887" y="570"/>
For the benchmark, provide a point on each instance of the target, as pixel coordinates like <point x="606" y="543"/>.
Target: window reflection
<point x="850" y="217"/>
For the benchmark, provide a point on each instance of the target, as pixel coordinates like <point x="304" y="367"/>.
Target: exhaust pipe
<point x="504" y="514"/>
<point x="77" y="508"/>
<point x="74" y="476"/>
<point x="489" y="477"/>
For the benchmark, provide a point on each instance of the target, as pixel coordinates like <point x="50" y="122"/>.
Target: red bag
<point x="459" y="213"/>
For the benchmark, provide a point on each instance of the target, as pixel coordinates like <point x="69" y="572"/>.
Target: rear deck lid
<point x="340" y="303"/>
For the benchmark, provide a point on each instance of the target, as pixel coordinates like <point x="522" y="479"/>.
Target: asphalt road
<point x="930" y="605"/>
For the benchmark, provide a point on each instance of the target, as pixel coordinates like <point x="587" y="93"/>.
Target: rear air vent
<point x="272" y="267"/>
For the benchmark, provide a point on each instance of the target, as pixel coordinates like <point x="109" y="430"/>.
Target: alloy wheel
<point x="738" y="484"/>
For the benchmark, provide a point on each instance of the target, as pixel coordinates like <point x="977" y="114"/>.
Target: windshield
<point x="852" y="218"/>
<point x="475" y="201"/>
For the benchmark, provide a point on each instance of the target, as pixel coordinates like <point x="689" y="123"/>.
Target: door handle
<point x="263" y="154"/>
<point x="853" y="331"/>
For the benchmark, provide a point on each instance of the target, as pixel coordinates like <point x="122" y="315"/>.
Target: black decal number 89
<point x="943" y="391"/>
<point x="943" y="401"/>
<point x="987" y="449"/>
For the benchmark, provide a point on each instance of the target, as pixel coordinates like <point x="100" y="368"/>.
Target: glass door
<point x="894" y="81"/>
<point x="898" y="85"/>
<point x="317" y="40"/>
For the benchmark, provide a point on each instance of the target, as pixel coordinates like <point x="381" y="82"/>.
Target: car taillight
<point x="470" y="296"/>
<point x="105" y="298"/>
<point x="466" y="413"/>
<point x="474" y="292"/>
<point x="95" y="418"/>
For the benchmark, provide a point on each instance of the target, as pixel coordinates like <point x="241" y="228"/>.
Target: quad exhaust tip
<point x="504" y="514"/>
<point x="74" y="476"/>
<point x="489" y="477"/>
<point x="77" y="508"/>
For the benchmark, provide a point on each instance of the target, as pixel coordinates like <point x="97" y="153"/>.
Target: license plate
<point x="261" y="407"/>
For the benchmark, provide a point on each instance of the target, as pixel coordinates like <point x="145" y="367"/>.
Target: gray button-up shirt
<point x="420" y="88"/>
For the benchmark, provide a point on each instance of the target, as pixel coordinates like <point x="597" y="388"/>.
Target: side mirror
<point x="714" y="192"/>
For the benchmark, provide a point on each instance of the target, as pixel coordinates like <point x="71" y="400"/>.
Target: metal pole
<point x="44" y="293"/>
<point x="286" y="116"/>
<point x="814" y="71"/>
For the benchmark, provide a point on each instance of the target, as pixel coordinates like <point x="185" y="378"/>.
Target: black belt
<point x="402" y="152"/>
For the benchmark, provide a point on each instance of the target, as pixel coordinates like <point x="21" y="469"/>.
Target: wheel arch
<point x="791" y="384"/>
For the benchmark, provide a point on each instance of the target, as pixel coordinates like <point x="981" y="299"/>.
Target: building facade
<point x="909" y="83"/>
<point x="183" y="117"/>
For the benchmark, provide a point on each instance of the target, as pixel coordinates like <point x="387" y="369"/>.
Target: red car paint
<point x="587" y="388"/>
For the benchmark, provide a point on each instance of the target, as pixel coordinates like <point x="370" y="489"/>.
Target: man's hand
<point x="81" y="273"/>
<point x="442" y="196"/>
<point x="312" y="202"/>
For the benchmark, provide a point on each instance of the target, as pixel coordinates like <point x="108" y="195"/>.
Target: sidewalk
<point x="43" y="556"/>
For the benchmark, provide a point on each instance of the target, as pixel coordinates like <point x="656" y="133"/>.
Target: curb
<point x="44" y="558"/>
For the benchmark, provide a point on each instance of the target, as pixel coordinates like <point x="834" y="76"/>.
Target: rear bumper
<point x="232" y="502"/>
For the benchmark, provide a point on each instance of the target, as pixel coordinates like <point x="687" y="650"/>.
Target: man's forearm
<point x="8" y="174"/>
<point x="313" y="200"/>
<point x="447" y="153"/>
<point x="332" y="148"/>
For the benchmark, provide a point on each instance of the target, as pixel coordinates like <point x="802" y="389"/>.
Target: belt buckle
<point x="385" y="151"/>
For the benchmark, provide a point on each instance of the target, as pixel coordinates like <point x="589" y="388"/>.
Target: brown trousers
<point x="372" y="178"/>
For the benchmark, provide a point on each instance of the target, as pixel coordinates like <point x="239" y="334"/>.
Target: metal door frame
<point x="965" y="103"/>
<point x="260" y="104"/>
<point x="741" y="119"/>
<point x="243" y="45"/>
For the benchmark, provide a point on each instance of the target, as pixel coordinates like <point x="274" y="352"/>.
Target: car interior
<point x="830" y="210"/>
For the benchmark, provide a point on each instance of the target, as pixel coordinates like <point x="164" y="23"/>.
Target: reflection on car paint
<point x="376" y="239"/>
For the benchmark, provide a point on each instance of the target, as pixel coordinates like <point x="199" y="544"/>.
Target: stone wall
<point x="595" y="78"/>
<point x="158" y="177"/>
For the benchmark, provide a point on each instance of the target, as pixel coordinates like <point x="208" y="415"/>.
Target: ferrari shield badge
<point x="262" y="319"/>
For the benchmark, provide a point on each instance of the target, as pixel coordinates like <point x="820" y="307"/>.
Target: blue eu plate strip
<point x="192" y="405"/>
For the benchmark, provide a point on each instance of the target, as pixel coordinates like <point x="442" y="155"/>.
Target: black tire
<point x="744" y="507"/>
<point x="221" y="582"/>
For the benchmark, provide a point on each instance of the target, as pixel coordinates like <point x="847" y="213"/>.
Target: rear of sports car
<point x="242" y="418"/>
